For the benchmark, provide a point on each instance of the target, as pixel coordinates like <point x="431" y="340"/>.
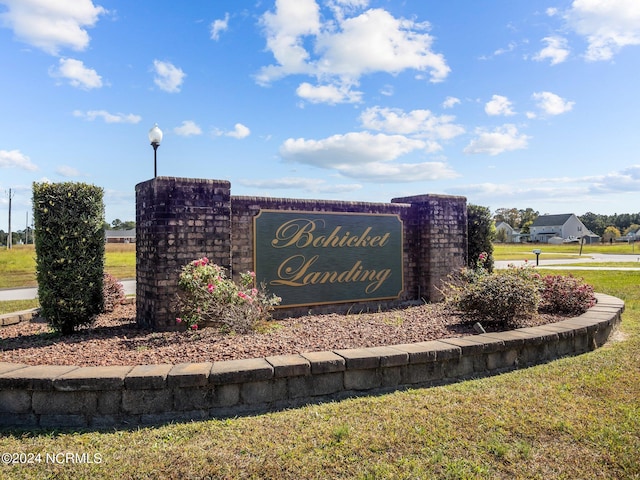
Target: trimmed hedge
<point x="70" y="250"/>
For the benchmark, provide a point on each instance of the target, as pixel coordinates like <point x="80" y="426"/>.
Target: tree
<point x="481" y="232"/>
<point x="611" y="233"/>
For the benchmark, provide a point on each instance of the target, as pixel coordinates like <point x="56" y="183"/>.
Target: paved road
<point x="31" y="293"/>
<point x="590" y="258"/>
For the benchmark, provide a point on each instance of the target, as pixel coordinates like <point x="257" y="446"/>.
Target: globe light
<point x="155" y="137"/>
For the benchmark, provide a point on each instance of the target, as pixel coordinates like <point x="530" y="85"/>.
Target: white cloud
<point x="17" y="159"/>
<point x="400" y="172"/>
<point x="556" y="50"/>
<point x="341" y="50"/>
<point x="340" y="151"/>
<point x="52" y="25"/>
<point x="168" y="77"/>
<point x="188" y="129"/>
<point x="499" y="105"/>
<point x="626" y="180"/>
<point x="607" y="25"/>
<point x="500" y="140"/>
<point x="314" y="185"/>
<point x="285" y="30"/>
<point x="219" y="26"/>
<point x="418" y="123"/>
<point x="450" y="102"/>
<point x="330" y="94"/>
<point x="552" y="104"/>
<point x="108" y="117"/>
<point x="366" y="157"/>
<point x="375" y="41"/>
<point x="576" y="190"/>
<point x="239" y="131"/>
<point x="77" y="74"/>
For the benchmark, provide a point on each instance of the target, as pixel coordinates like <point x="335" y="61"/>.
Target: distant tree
<point x="610" y="233"/>
<point x="481" y="232"/>
<point x="594" y="222"/>
<point x="118" y="224"/>
<point x="527" y="217"/>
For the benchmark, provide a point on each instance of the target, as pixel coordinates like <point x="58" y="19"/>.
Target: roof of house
<point x="551" y="220"/>
<point x="120" y="233"/>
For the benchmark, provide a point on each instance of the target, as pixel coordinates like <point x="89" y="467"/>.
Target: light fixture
<point x="155" y="137"/>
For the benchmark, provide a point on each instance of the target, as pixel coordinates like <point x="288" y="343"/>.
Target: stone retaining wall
<point x="100" y="397"/>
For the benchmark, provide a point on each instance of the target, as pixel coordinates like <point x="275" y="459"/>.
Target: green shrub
<point x="207" y="298"/>
<point x="112" y="293"/>
<point x="503" y="296"/>
<point x="480" y="234"/>
<point x="69" y="242"/>
<point x="566" y="294"/>
<point x="518" y="292"/>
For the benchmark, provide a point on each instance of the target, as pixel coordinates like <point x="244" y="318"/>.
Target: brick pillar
<point x="177" y="220"/>
<point x="440" y="239"/>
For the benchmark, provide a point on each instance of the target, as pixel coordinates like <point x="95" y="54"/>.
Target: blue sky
<point x="509" y="103"/>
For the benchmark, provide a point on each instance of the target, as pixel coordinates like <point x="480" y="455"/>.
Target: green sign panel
<point x="311" y="258"/>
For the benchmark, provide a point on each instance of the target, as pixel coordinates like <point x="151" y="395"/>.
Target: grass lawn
<point x="18" y="265"/>
<point x="574" y="418"/>
<point x="517" y="251"/>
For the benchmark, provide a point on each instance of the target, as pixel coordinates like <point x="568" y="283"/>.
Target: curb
<point x="126" y="396"/>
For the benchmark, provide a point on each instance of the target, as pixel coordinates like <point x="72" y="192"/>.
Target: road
<point x="590" y="258"/>
<point x="32" y="292"/>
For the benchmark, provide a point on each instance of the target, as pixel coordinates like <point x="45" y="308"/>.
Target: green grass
<point x="18" y="265"/>
<point x="517" y="251"/>
<point x="11" y="306"/>
<point x="574" y="418"/>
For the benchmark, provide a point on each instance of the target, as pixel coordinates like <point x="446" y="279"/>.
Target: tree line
<point x="599" y="224"/>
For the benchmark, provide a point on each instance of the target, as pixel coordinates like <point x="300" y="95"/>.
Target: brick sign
<point x="311" y="258"/>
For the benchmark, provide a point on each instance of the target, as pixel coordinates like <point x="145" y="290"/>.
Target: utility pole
<point x="9" y="237"/>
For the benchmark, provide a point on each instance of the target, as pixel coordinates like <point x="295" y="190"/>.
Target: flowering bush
<point x="208" y="298"/>
<point x="502" y="296"/>
<point x="518" y="291"/>
<point x="566" y="294"/>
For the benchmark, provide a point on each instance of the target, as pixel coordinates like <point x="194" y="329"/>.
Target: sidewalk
<point x="32" y="292"/>
<point x="565" y="263"/>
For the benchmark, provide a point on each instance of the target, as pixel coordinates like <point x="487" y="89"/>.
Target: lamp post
<point x="155" y="137"/>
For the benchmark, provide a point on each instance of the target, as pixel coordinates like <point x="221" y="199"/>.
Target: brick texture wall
<point x="179" y="220"/>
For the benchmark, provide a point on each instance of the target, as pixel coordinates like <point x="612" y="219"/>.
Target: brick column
<point x="440" y="239"/>
<point x="177" y="220"/>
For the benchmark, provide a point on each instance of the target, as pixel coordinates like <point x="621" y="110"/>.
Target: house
<point x="564" y="226"/>
<point x="510" y="235"/>
<point x="120" y="236"/>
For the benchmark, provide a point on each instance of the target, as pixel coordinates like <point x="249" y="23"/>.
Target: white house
<point x="566" y="226"/>
<point x="511" y="235"/>
<point x="120" y="236"/>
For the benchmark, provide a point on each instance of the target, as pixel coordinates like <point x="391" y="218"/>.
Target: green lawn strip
<point x="11" y="306"/>
<point x="573" y="249"/>
<point x="18" y="266"/>
<point x="602" y="265"/>
<point x="576" y="417"/>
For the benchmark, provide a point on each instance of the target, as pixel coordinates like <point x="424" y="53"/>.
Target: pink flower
<point x="194" y="326"/>
<point x="178" y="320"/>
<point x="242" y="295"/>
<point x="254" y="291"/>
<point x="211" y="288"/>
<point x="252" y="274"/>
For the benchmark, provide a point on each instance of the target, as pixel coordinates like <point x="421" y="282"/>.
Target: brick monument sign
<point x="318" y="255"/>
